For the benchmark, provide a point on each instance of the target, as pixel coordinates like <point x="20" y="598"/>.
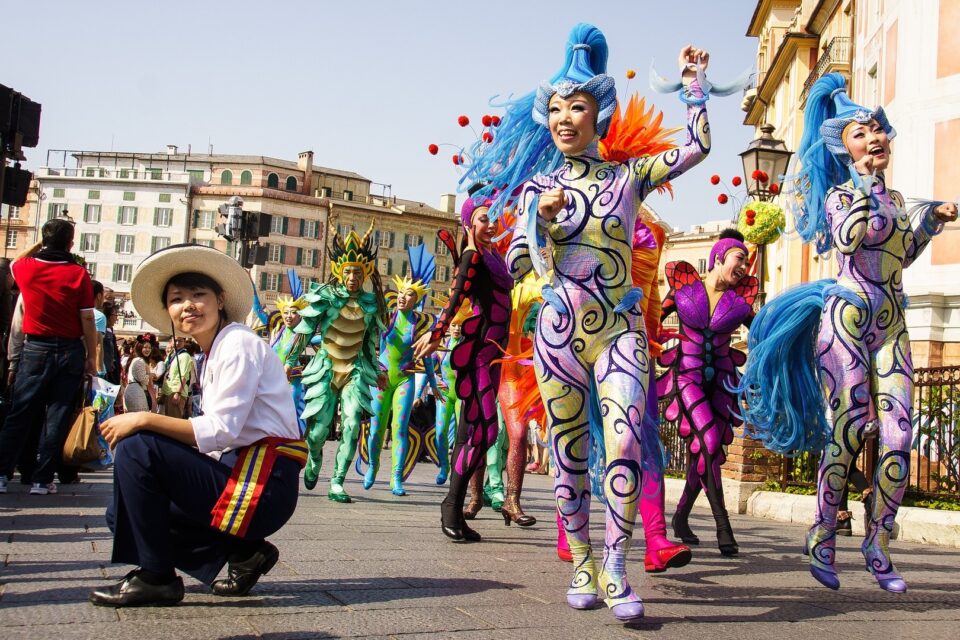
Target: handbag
<point x="82" y="445"/>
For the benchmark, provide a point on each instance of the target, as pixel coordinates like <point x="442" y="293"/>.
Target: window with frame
<point x="129" y="196"/>
<point x="344" y="229"/>
<point x="207" y="243"/>
<point x="273" y="253"/>
<point x="246" y="178"/>
<point x="440" y="249"/>
<point x="273" y="281"/>
<point x="56" y="210"/>
<point x="384" y="239"/>
<point x="347" y="194"/>
<point x="196" y="175"/>
<point x="122" y="272"/>
<point x="291" y="183"/>
<point x="93" y="194"/>
<point x="205" y="219"/>
<point x="404" y="270"/>
<point x="273" y="181"/>
<point x="11" y="239"/>
<point x="89" y="242"/>
<point x="159" y="242"/>
<point x="13" y="213"/>
<point x="702" y="265"/>
<point x="164" y="197"/>
<point x="125" y="244"/>
<point x="443" y="273"/>
<point x="59" y="193"/>
<point x="226" y="176"/>
<point x="162" y="217"/>
<point x="310" y="228"/>
<point x="309" y="258"/>
<point x="411" y="240"/>
<point x="127" y="215"/>
<point x="325" y="192"/>
<point x="91" y="268"/>
<point x="276" y="224"/>
<point x="153" y="174"/>
<point x="91" y="213"/>
<point x="128" y="173"/>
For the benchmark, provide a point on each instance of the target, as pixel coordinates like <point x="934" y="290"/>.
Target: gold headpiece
<point x="286" y="302"/>
<point x="353" y="251"/>
<point x="405" y="283"/>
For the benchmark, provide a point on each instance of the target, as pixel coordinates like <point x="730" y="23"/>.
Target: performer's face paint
<point x="406" y="300"/>
<point x="733" y="267"/>
<point x="291" y="318"/>
<point x="573" y="122"/>
<point x="353" y="278"/>
<point x="484" y="229"/>
<point x="193" y="310"/>
<point x="868" y="139"/>
<point x="456" y="331"/>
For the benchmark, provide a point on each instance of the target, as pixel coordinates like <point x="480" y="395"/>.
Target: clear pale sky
<point x="366" y="85"/>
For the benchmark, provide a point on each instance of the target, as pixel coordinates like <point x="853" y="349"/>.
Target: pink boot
<point x="563" y="548"/>
<point x="661" y="553"/>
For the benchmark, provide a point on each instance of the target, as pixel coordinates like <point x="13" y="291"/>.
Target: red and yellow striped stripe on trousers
<point x="235" y="508"/>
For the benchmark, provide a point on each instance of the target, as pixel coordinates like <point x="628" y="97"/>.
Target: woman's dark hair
<point x="138" y="353"/>
<point x="191" y="280"/>
<point x="109" y="308"/>
<point x="730" y="232"/>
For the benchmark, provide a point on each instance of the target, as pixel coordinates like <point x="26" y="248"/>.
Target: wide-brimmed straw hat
<point x="153" y="274"/>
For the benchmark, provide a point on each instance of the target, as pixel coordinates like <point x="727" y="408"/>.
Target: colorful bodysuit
<point x="288" y="345"/>
<point x="701" y="374"/>
<point x="396" y="361"/>
<point x="865" y="364"/>
<point x="591" y="351"/>
<point x="448" y="411"/>
<point x="482" y="277"/>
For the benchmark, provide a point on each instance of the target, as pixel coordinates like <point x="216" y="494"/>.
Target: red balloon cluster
<point x="457" y="159"/>
<point x="760" y="176"/>
<point x="486" y="120"/>
<point x="751" y="217"/>
<point x="722" y="198"/>
<point x="463" y="121"/>
<point x="433" y="149"/>
<point x="496" y="121"/>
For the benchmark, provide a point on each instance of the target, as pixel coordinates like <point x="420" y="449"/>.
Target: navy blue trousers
<point x="163" y="492"/>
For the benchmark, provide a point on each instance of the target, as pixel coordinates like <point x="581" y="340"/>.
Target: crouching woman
<point x="193" y="495"/>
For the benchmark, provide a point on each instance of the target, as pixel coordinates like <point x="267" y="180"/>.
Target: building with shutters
<point x="128" y="205"/>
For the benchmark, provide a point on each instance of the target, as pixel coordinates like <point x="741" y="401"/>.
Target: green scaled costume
<point x="346" y="327"/>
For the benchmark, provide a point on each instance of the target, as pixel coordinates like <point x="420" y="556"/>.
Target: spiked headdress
<point x="353" y="251"/>
<point x="406" y="282"/>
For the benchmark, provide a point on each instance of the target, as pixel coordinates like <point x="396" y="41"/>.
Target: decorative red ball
<point x="751" y="214"/>
<point x="714" y="179"/>
<point x="487" y="137"/>
<point x="750" y="222"/>
<point x="433" y="149"/>
<point x="775" y="188"/>
<point x="631" y="74"/>
<point x="756" y="174"/>
<point x="486" y="120"/>
<point x="496" y="121"/>
<point x="456" y="158"/>
<point x="463" y="121"/>
<point x="764" y="177"/>
<point x="736" y="181"/>
<point x="722" y="198"/>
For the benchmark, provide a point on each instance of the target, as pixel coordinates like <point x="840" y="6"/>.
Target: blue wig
<point x="522" y="148"/>
<point x="824" y="160"/>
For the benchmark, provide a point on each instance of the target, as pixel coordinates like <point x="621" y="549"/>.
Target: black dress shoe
<point x="454" y="533"/>
<point x="241" y="576"/>
<point x="469" y="535"/>
<point x="134" y="592"/>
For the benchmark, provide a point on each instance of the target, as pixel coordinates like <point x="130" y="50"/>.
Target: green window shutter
<point x="284" y="228"/>
<point x="117" y="244"/>
<point x="164" y="197"/>
<point x="301" y="232"/>
<point x="119" y="214"/>
<point x="283" y="252"/>
<point x="196" y="218"/>
<point x="299" y="250"/>
<point x="49" y="211"/>
<point x="316" y="259"/>
<point x="156" y="216"/>
<point x="135" y="215"/>
<point x="263" y="281"/>
<point x="393" y="239"/>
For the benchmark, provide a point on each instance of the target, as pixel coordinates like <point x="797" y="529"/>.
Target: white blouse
<point x="245" y="394"/>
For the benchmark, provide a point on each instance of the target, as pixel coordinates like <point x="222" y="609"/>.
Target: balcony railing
<point x="835" y="57"/>
<point x="113" y="173"/>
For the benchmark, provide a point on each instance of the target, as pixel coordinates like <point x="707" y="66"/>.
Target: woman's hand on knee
<point x="119" y="427"/>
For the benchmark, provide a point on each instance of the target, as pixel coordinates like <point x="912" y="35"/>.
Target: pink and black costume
<point x="483" y="279"/>
<point x="699" y="381"/>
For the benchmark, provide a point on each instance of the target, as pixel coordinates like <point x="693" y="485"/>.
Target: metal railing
<point x="116" y="174"/>
<point x="836" y="55"/>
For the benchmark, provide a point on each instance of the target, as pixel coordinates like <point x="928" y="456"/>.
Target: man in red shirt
<point x="59" y="349"/>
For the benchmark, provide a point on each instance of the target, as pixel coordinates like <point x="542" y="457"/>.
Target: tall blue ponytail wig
<point x="522" y="148"/>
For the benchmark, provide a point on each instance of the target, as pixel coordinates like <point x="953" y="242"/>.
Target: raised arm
<point x="468" y="263"/>
<point x="933" y="215"/>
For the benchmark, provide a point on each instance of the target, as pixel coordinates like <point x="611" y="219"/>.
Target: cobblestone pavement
<point x="380" y="568"/>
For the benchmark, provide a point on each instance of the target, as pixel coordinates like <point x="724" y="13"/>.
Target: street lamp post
<point x="765" y="157"/>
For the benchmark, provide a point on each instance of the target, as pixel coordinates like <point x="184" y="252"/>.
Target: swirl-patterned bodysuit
<point x="865" y="362"/>
<point x="590" y="352"/>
